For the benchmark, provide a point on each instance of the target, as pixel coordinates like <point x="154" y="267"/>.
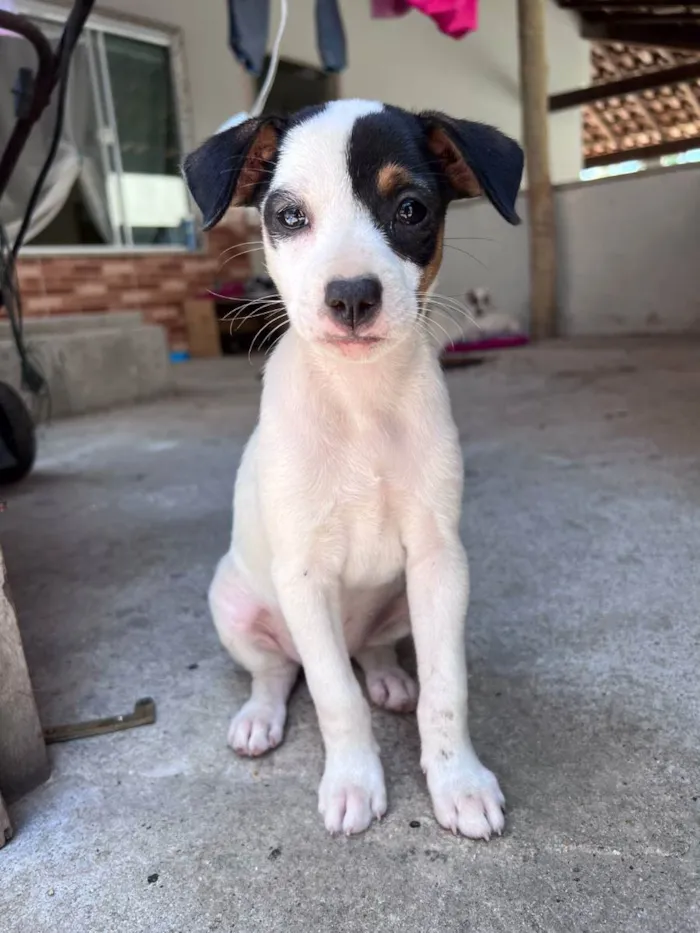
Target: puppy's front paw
<point x="352" y="792"/>
<point x="466" y="797"/>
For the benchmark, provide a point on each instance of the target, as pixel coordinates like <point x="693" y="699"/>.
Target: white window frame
<point x="146" y="31"/>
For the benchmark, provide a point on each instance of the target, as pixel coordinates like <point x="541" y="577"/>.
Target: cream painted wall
<point x="617" y="272"/>
<point x="401" y="61"/>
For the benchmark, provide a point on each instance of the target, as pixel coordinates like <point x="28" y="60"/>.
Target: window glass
<point x="144" y="104"/>
<point x="116" y="178"/>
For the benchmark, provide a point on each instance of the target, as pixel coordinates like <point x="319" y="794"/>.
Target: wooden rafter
<point x="669" y="35"/>
<point x="623" y="86"/>
<point x="645" y="93"/>
<point x="596" y="6"/>
<point x="670" y="147"/>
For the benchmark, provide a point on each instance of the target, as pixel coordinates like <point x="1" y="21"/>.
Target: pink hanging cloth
<point x="454" y="18"/>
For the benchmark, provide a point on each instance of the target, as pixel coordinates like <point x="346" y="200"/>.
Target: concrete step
<point x="115" y="360"/>
<point x="69" y="323"/>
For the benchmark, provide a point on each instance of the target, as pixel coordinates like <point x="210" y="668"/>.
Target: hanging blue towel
<point x="249" y="21"/>
<point x="330" y="36"/>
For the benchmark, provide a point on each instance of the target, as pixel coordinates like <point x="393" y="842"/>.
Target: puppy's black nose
<point x="354" y="302"/>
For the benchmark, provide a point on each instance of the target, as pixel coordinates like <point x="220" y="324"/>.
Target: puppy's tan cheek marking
<point x="431" y="270"/>
<point x="257" y="163"/>
<point x="390" y="177"/>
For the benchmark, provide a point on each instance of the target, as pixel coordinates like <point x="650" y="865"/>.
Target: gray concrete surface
<point x="583" y="524"/>
<point x="92" y="361"/>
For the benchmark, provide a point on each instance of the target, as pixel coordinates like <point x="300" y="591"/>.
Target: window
<point x="630" y="166"/>
<point x="116" y="181"/>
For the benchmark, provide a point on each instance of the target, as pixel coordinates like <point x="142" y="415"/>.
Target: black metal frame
<point x="45" y="80"/>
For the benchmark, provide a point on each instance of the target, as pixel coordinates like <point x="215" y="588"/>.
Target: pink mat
<point x="488" y="343"/>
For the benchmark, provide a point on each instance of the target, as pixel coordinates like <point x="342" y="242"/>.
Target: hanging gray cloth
<point x="249" y="22"/>
<point x="330" y="35"/>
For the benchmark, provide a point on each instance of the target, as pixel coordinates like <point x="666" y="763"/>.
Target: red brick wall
<point x="157" y="284"/>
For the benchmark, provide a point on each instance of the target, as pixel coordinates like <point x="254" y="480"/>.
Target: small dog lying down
<point x="348" y="496"/>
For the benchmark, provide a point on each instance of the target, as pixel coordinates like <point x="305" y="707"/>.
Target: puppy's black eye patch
<point x="391" y="172"/>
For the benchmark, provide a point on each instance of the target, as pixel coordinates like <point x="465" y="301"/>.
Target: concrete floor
<point x="583" y="525"/>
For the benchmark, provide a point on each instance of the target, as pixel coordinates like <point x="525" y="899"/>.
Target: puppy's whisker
<point x="270" y="317"/>
<point x="256" y="303"/>
<point x="435" y="300"/>
<point x="466" y="253"/>
<point x="452" y="315"/>
<point x="262" y="302"/>
<point x="233" y="298"/>
<point x="274" y="330"/>
<point x="448" y="304"/>
<point x="245" y="252"/>
<point x="266" y="312"/>
<point x="260" y="335"/>
<point x="263" y="314"/>
<point x="236" y="164"/>
<point x="259" y="310"/>
<point x="440" y="294"/>
<point x="256" y="312"/>
<point x="238" y="246"/>
<point x="447" y="300"/>
<point x="450" y="310"/>
<point x="239" y="254"/>
<point x="483" y="239"/>
<point x="431" y="322"/>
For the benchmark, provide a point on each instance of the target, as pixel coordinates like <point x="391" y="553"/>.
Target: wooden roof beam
<point x="600" y="6"/>
<point x="668" y="35"/>
<point x="632" y="85"/>
<point x="645" y="18"/>
<point x="670" y="147"/>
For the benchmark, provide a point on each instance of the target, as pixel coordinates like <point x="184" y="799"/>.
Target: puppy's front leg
<point x="352" y="790"/>
<point x="466" y="796"/>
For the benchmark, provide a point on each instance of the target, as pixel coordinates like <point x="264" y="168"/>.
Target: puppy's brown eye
<point x="293" y="218"/>
<point x="411" y="212"/>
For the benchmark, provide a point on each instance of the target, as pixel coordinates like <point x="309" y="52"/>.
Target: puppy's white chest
<point x="369" y="501"/>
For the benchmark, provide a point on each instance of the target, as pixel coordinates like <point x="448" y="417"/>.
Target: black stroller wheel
<point x="17" y="437"/>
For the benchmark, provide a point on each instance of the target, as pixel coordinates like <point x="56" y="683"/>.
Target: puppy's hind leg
<point x="258" y="726"/>
<point x="388" y="684"/>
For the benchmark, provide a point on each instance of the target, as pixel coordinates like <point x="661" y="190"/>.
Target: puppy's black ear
<point x="476" y="159"/>
<point x="233" y="168"/>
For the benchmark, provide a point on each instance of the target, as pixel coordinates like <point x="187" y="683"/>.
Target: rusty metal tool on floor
<point x="144" y="714"/>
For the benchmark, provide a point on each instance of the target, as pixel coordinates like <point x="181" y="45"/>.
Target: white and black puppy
<point x="348" y="496"/>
